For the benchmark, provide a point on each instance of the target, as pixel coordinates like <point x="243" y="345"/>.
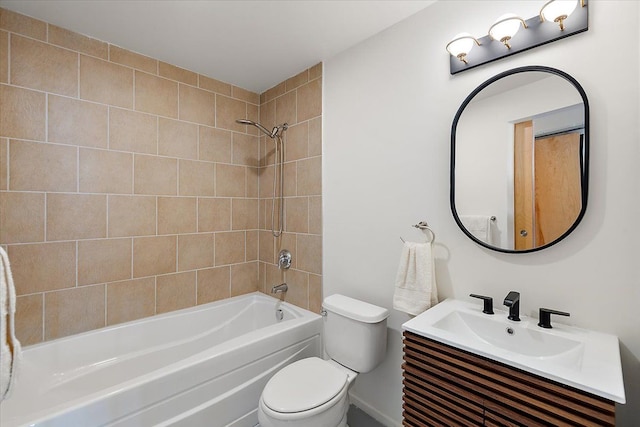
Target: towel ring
<point x="422" y="225"/>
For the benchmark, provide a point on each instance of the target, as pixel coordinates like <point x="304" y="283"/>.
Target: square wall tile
<point x="286" y="108"/>
<point x="42" y="267"/>
<point x="36" y="166"/>
<point x="267" y="246"/>
<point x="252" y="242"/>
<point x="296" y="214"/>
<point x="154" y="255"/>
<point x="75" y="41"/>
<point x="315" y="137"/>
<point x="156" y="95"/>
<point x="229" y="248"/>
<point x="177" y="215"/>
<point x="195" y="251"/>
<point x="76" y="216"/>
<point x="21" y="217"/>
<point x="245" y="95"/>
<point x="297" y="142"/>
<point x="315" y="71"/>
<point x="41" y="66"/>
<point x="4" y="164"/>
<point x="244" y="278"/>
<point x="245" y="150"/>
<point x="73" y="311"/>
<point x="175" y="291"/>
<point x="253" y="182"/>
<point x="297" y="80"/>
<point x="196" y="178"/>
<point x="214" y="214"/>
<point x="230" y="181"/>
<point x="4" y="57"/>
<point x="77" y="122"/>
<point x="176" y="73"/>
<point x="268" y="114"/>
<point x="228" y="110"/>
<point x="197" y="105"/>
<point x="22" y="113"/>
<point x="133" y="131"/>
<point x="22" y="24"/>
<point x="214" y="85"/>
<point x="310" y="100"/>
<point x="298" y="293"/>
<point x="130" y="300"/>
<point x="315" y="293"/>
<point x="106" y="82"/>
<point x="315" y="215"/>
<point x="215" y="145"/>
<point x="310" y="253"/>
<point x="131" y="216"/>
<point x="177" y="139"/>
<point x="106" y="260"/>
<point x="213" y="284"/>
<point x="29" y="319"/>
<point x="309" y="173"/>
<point x="155" y="175"/>
<point x="103" y="171"/>
<point x="132" y="59"/>
<point x="244" y="214"/>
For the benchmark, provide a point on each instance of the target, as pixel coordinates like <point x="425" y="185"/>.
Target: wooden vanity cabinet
<point x="445" y="386"/>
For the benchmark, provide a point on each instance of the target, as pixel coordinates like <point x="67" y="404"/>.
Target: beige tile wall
<point x="126" y="187"/>
<point x="297" y="101"/>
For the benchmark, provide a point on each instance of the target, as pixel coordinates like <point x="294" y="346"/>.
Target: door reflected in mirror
<point x="519" y="161"/>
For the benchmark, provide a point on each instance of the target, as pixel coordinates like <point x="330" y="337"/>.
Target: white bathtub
<point x="203" y="366"/>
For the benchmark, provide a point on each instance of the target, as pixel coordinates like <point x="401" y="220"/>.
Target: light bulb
<point x="558" y="11"/>
<point x="505" y="28"/>
<point x="461" y="45"/>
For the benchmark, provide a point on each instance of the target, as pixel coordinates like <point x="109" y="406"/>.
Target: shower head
<point x="271" y="134"/>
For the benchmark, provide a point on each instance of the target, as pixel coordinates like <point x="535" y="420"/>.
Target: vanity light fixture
<point x="461" y="45"/>
<point x="505" y="28"/>
<point x="570" y="15"/>
<point x="557" y="11"/>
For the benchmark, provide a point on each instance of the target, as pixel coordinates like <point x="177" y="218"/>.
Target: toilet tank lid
<point x="355" y="309"/>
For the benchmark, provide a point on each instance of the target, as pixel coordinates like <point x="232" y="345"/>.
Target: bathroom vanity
<point x="463" y="367"/>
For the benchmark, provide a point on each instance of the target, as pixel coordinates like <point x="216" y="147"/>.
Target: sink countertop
<point x="586" y="360"/>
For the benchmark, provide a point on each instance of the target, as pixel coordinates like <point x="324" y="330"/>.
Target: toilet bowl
<point x="311" y="392"/>
<point x="314" y="392"/>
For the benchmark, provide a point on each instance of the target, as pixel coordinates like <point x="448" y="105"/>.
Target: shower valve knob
<point x="284" y="259"/>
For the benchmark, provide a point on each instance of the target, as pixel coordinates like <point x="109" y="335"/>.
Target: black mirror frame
<point x="584" y="166"/>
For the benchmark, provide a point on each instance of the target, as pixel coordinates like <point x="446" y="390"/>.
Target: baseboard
<point x="377" y="415"/>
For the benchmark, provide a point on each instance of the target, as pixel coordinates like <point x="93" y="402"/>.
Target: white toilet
<point x="313" y="392"/>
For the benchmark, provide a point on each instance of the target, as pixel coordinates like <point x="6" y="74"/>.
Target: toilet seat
<point x="304" y="385"/>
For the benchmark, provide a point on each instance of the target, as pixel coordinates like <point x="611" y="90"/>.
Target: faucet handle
<point x="545" y="317"/>
<point x="488" y="303"/>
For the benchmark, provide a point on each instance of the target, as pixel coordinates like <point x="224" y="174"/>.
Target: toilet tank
<point x="355" y="332"/>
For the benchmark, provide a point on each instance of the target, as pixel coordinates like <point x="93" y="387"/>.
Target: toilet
<point x="313" y="392"/>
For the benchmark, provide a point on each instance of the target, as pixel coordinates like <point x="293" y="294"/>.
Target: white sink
<point x="583" y="359"/>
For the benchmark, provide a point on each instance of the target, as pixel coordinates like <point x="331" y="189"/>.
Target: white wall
<point x="388" y="107"/>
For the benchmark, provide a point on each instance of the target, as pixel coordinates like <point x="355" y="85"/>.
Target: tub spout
<point x="279" y="288"/>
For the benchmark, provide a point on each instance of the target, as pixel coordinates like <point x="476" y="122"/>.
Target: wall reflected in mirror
<point x="519" y="151"/>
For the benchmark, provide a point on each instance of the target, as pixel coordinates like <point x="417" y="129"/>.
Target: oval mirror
<point x="520" y="160"/>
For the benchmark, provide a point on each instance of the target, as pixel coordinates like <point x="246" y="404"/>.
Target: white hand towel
<point x="416" y="289"/>
<point x="10" y="349"/>
<point x="480" y="226"/>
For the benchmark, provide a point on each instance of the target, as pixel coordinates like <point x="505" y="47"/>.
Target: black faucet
<point x="512" y="300"/>
<point x="488" y="303"/>
<point x="545" y="317"/>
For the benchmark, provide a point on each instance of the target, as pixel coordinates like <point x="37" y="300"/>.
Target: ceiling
<point x="251" y="44"/>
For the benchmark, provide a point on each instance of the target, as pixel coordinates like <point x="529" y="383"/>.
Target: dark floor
<point x="356" y="417"/>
